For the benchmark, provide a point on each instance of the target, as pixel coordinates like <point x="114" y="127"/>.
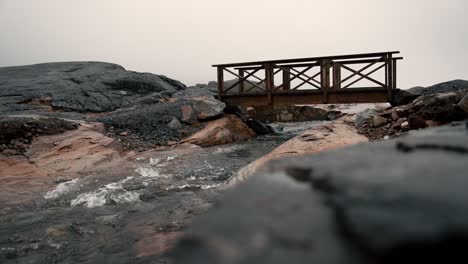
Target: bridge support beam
<point x="286" y="78"/>
<point x="270" y="82"/>
<point x="325" y="79"/>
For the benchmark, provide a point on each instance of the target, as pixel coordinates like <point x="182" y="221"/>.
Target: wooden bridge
<point x="357" y="78"/>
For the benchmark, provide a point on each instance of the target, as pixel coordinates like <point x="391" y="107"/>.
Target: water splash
<point x="61" y="189"/>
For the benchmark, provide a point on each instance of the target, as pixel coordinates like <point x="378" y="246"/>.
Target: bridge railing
<point x="322" y="75"/>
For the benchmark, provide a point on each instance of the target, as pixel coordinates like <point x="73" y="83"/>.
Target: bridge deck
<point x="335" y="80"/>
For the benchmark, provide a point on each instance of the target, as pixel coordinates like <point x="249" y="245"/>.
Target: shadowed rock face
<point x="79" y="87"/>
<point x="399" y="201"/>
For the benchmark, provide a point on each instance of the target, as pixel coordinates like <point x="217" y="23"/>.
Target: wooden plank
<point x="298" y="60"/>
<point x="310" y="97"/>
<point x="297" y="65"/>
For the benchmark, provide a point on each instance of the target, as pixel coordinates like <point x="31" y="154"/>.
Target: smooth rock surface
<point x="398" y="201"/>
<point x="207" y="107"/>
<point x="80" y="87"/>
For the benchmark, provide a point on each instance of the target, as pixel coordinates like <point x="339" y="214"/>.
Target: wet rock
<point x="378" y="121"/>
<point x="188" y="114"/>
<point x="19" y="128"/>
<point x="445" y="87"/>
<point x="463" y="104"/>
<point x="402" y="97"/>
<point x="79" y="87"/>
<point x="208" y="108"/>
<point x="149" y="126"/>
<point x="358" y="210"/>
<point x="222" y="131"/>
<point x="175" y="124"/>
<point x="416" y="122"/>
<point x="365" y="115"/>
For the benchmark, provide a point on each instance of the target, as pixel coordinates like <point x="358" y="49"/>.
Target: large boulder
<point x="207" y="107"/>
<point x="80" y="87"/>
<point x="371" y="203"/>
<point x="221" y="131"/>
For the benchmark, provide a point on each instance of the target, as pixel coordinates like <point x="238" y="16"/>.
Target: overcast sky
<point x="181" y="39"/>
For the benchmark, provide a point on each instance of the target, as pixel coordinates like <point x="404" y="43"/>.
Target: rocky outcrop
<point x="403" y="97"/>
<point x="425" y="111"/>
<point x="80" y="87"/>
<point x="398" y="201"/>
<point x="221" y="131"/>
<point x="318" y="139"/>
<point x="445" y="87"/>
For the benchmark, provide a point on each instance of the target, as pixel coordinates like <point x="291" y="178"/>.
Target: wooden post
<point x="286" y="78"/>
<point x="242" y="82"/>
<point x="389" y="67"/>
<point x="269" y="81"/>
<point x="336" y="75"/>
<point x="325" y="79"/>
<point x="220" y="83"/>
<point x="394" y="82"/>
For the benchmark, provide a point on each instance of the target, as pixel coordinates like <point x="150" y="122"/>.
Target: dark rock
<point x="402" y="97"/>
<point x="463" y="104"/>
<point x="79" y="87"/>
<point x="188" y="114"/>
<point x="446" y="87"/>
<point x="364" y="116"/>
<point x="147" y="127"/>
<point x="398" y="201"/>
<point x="416" y="122"/>
<point x="175" y="124"/>
<point x="208" y="108"/>
<point x="15" y="129"/>
<point x="378" y="121"/>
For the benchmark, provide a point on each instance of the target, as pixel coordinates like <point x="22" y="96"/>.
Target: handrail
<point x="338" y="57"/>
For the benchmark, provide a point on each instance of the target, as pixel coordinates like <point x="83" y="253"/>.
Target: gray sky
<point x="181" y="39"/>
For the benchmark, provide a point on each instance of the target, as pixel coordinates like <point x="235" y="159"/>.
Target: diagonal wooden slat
<point x="307" y="81"/>
<point x="241" y="79"/>
<point x="364" y="76"/>
<point x="361" y="70"/>
<point x="296" y="71"/>
<point x="295" y="76"/>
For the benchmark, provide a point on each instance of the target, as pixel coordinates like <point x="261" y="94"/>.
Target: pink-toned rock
<point x="70" y="154"/>
<point x="221" y="131"/>
<point x="323" y="138"/>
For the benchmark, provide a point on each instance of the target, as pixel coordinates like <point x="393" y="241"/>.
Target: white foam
<point x="61" y="189"/>
<point x="110" y="192"/>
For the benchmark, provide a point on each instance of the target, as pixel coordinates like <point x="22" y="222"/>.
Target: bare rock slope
<point x="79" y="87"/>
